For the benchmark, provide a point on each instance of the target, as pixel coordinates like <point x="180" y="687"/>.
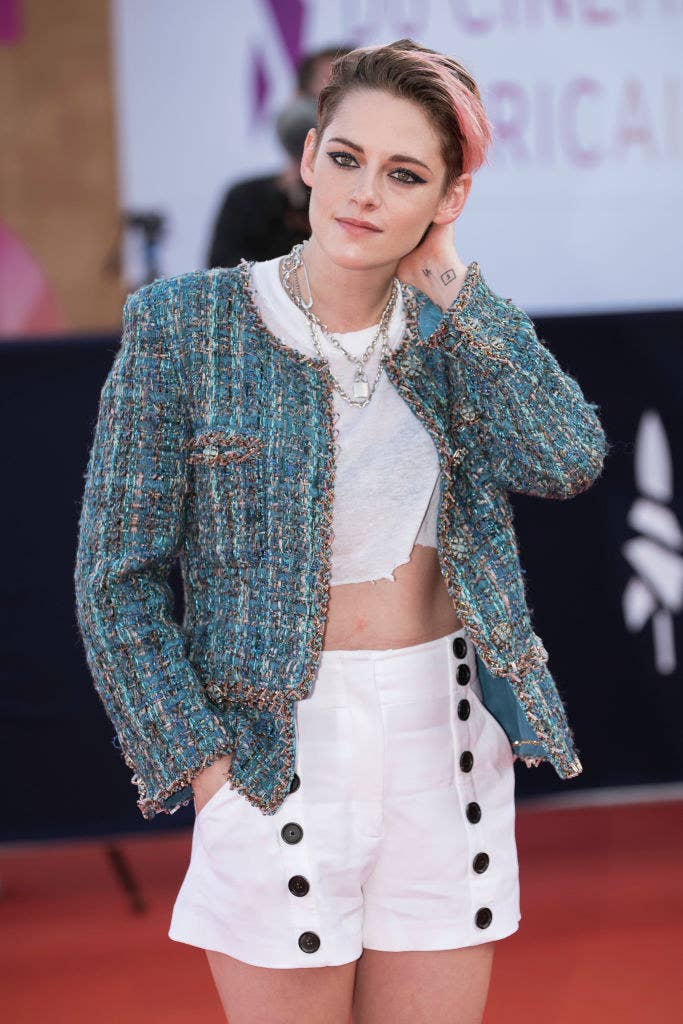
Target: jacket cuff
<point x="163" y="773"/>
<point x="537" y="694"/>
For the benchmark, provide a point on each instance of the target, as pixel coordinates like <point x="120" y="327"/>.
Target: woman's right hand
<point x="209" y="781"/>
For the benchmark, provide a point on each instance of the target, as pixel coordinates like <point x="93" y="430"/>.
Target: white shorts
<point x="398" y="833"/>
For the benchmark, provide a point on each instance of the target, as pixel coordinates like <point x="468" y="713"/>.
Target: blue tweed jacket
<point x="215" y="444"/>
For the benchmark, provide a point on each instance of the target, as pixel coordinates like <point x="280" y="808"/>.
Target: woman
<point x="327" y="440"/>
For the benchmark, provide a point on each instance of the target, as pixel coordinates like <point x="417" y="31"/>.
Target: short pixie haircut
<point x="438" y="83"/>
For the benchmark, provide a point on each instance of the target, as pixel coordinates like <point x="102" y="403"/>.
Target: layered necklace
<point x="362" y="389"/>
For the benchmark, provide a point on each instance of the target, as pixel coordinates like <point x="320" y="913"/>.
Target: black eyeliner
<point x="415" y="179"/>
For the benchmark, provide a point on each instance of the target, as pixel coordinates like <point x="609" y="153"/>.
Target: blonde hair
<point x="438" y="83"/>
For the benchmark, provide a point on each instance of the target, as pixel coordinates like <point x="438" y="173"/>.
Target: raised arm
<point x="539" y="434"/>
<point x="130" y="531"/>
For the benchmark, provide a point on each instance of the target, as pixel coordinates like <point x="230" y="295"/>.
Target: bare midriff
<point x="377" y="615"/>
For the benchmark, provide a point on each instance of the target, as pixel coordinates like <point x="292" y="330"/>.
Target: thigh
<point x="443" y="986"/>
<point x="301" y="995"/>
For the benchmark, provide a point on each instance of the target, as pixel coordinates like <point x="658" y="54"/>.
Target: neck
<point x="343" y="299"/>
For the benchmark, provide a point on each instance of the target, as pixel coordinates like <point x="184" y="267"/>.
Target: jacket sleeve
<point x="539" y="434"/>
<point x="130" y="531"/>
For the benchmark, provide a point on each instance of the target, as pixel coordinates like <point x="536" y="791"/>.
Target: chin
<point x="358" y="255"/>
<point x="353" y="261"/>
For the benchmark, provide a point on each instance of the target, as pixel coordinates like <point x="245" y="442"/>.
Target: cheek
<point x="410" y="218"/>
<point x="322" y="193"/>
<point x="420" y="206"/>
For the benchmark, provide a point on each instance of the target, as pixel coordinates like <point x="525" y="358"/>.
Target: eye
<point x="412" y="179"/>
<point x="336" y="157"/>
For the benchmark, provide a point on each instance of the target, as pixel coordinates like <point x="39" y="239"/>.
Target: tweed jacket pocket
<point x="229" y="492"/>
<point x="222" y="447"/>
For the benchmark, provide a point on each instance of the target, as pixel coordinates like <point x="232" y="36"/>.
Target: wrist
<point x="217" y="770"/>
<point x="442" y="278"/>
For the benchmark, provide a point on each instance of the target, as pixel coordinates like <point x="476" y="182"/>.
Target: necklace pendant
<point x="361" y="389"/>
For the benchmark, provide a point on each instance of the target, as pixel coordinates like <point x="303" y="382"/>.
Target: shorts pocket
<point x="214" y="801"/>
<point x="491" y="721"/>
<point x="240" y="844"/>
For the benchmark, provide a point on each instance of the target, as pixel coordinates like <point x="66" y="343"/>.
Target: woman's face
<point x="379" y="161"/>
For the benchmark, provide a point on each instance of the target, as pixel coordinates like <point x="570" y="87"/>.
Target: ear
<point x="308" y="157"/>
<point x="450" y="207"/>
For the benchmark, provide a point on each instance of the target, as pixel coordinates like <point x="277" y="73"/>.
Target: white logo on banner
<point x="655" y="591"/>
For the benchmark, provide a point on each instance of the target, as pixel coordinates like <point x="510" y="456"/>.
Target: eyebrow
<point x="401" y="157"/>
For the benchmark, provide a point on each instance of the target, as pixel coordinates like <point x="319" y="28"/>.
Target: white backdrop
<point x="581" y="205"/>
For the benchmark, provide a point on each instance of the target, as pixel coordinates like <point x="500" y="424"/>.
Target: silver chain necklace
<point x="362" y="390"/>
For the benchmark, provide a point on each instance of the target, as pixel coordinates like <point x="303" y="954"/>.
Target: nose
<point x="365" y="192"/>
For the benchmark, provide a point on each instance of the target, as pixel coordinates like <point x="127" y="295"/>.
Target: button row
<point x="298" y="885"/>
<point x="481" y="861"/>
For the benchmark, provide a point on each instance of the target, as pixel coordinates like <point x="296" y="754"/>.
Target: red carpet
<point x="600" y="938"/>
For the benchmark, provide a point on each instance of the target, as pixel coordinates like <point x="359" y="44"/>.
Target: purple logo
<point x="10" y="21"/>
<point x="289" y="18"/>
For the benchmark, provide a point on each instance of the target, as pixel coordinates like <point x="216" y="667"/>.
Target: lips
<point x="359" y="225"/>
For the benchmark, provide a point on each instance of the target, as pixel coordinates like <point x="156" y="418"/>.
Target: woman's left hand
<point x="434" y="266"/>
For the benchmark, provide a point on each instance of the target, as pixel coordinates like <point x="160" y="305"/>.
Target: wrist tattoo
<point x="447" y="276"/>
<point x="426" y="271"/>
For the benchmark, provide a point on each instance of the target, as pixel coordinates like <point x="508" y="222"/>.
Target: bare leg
<point x="443" y="986"/>
<point x="300" y="995"/>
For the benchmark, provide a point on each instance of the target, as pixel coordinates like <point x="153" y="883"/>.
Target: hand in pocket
<point x="207" y="783"/>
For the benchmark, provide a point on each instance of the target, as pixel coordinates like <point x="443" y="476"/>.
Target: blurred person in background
<point x="265" y="216"/>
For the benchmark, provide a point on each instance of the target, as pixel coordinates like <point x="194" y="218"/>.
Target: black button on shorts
<point x="309" y="942"/>
<point x="473" y="812"/>
<point x="463" y="674"/>
<point x="299" y="886"/>
<point x="480" y="863"/>
<point x="292" y="832"/>
<point x="460" y="647"/>
<point x="484" y="917"/>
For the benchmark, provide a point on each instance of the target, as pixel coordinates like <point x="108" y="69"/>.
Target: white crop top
<point x="387" y="477"/>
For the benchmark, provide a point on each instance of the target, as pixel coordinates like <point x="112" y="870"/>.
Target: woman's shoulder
<point x="187" y="309"/>
<point x="183" y="295"/>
